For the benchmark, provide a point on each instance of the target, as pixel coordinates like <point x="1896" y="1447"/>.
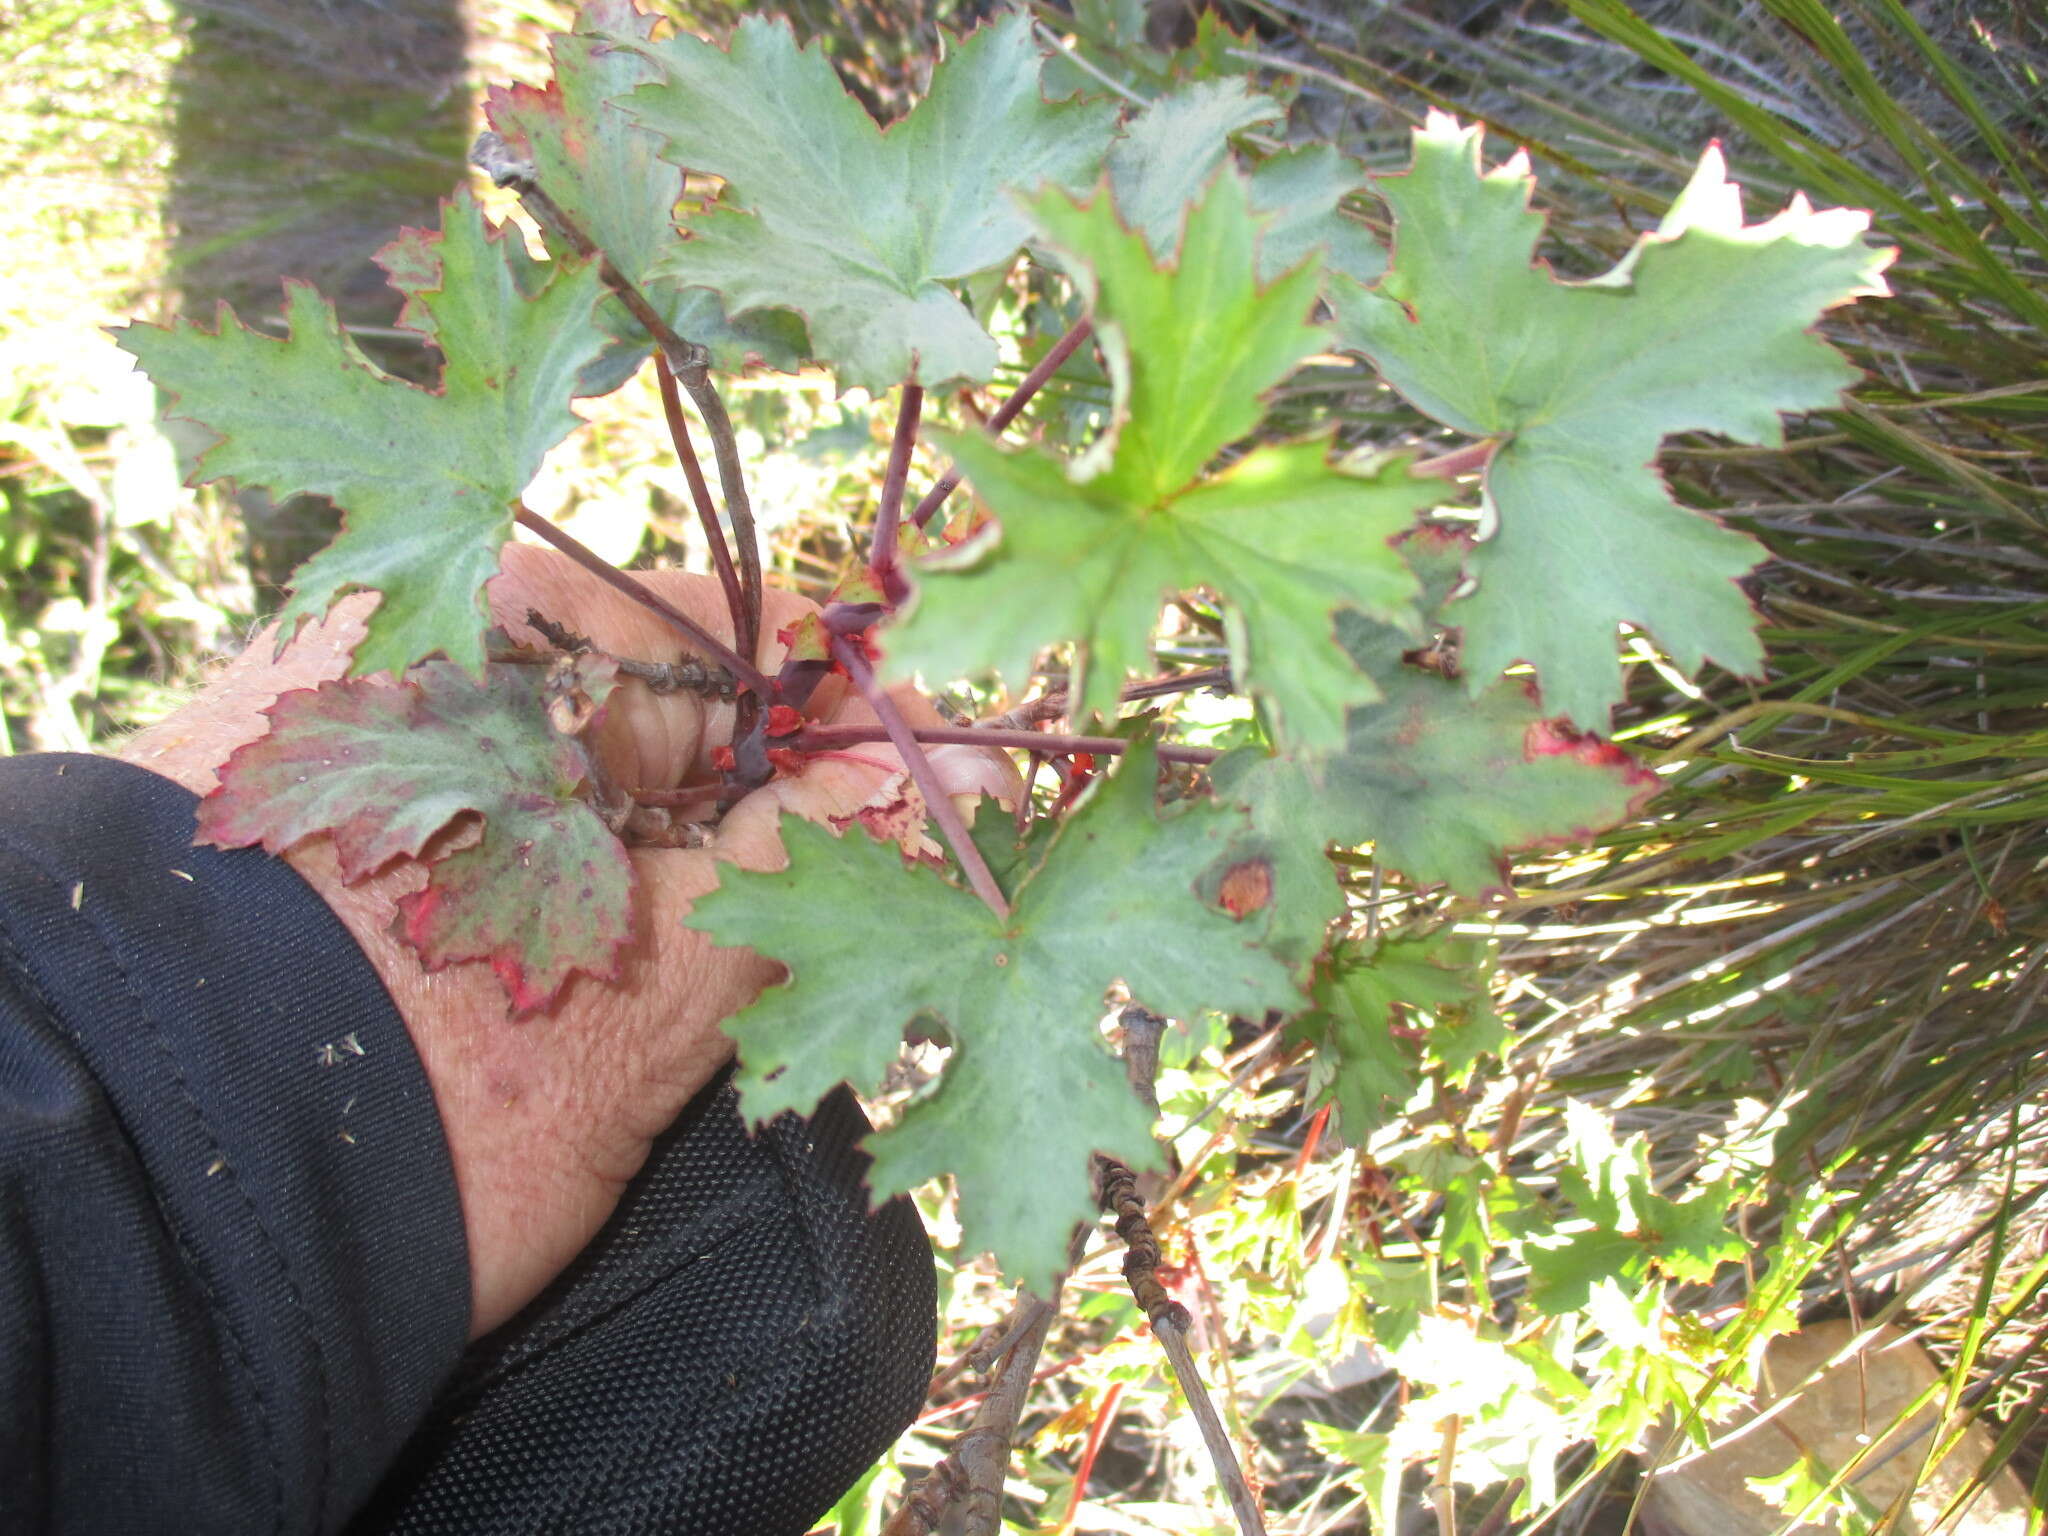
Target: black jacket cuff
<point x="232" y="1262"/>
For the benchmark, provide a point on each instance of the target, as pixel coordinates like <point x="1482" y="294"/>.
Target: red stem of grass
<point x="700" y="492"/>
<point x="623" y="582"/>
<point x="1006" y="413"/>
<point x="1105" y="1415"/>
<point x="896" y="730"/>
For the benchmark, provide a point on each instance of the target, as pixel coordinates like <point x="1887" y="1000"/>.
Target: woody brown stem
<point x="1170" y="1323"/>
<point x="660" y="676"/>
<point x="825" y="738"/>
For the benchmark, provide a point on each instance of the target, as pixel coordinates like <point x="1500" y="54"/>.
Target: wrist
<point x="506" y="1133"/>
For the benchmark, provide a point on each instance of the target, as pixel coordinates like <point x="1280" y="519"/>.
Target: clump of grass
<point x="1838" y="904"/>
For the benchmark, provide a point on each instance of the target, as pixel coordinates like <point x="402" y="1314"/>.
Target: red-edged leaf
<point x="1443" y="785"/>
<point x="859" y="586"/>
<point x="545" y="889"/>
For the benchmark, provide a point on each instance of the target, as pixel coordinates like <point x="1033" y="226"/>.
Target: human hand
<point x="549" y="1115"/>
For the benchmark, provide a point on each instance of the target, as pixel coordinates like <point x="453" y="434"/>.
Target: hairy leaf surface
<point x="427" y="480"/>
<point x="1172" y="148"/>
<point x="1704" y="327"/>
<point x="608" y="176"/>
<point x="1087" y="551"/>
<point x="856" y="230"/>
<point x="545" y="890"/>
<point x="1020" y="997"/>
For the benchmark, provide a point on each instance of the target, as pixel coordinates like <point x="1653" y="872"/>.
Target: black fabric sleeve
<point x="232" y="1264"/>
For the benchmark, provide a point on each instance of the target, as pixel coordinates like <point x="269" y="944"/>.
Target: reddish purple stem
<point x="940" y="804"/>
<point x="824" y="738"/>
<point x="622" y="582"/>
<point x="889" y="511"/>
<point x="700" y="492"/>
<point x="1006" y="413"/>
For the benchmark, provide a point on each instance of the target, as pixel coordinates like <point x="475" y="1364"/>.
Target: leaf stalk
<point x="896" y="730"/>
<point x="700" y="493"/>
<point x="1006" y="413"/>
<point x="882" y="556"/>
<point x="690" y="363"/>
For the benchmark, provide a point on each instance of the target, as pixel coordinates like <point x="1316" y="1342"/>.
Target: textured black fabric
<point x="736" y="1347"/>
<point x="230" y="1278"/>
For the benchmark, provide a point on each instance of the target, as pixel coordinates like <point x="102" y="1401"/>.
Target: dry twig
<point x="972" y="1473"/>
<point x="1170" y="1324"/>
<point x="661" y="676"/>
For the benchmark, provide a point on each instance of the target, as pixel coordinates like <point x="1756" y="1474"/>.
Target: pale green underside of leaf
<point x="545" y="891"/>
<point x="608" y="176"/>
<point x="1173" y="148"/>
<point x="427" y="482"/>
<point x="1298" y="190"/>
<point x="856" y="230"/>
<point x="1704" y="328"/>
<point x="1020" y="997"/>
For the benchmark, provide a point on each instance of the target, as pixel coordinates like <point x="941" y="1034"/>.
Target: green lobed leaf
<point x="1287" y="537"/>
<point x="1704" y="327"/>
<point x="1808" y="1494"/>
<point x="608" y="176"/>
<point x="1632" y="1227"/>
<point x="1111" y="900"/>
<point x="1434" y="987"/>
<point x="859" y="231"/>
<point x="411" y="260"/>
<point x="1299" y="190"/>
<point x="544" y="891"/>
<point x="427" y="480"/>
<point x="1377" y="1468"/>
<point x="1172" y="149"/>
<point x="1115" y="37"/>
<point x="1443" y="786"/>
